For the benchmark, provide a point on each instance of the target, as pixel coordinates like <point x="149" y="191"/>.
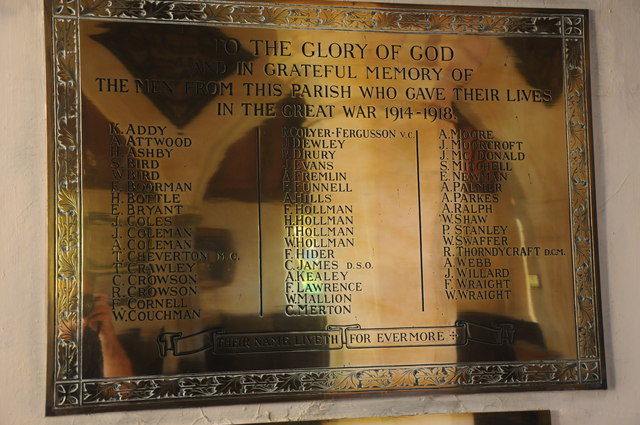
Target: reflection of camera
<point x="88" y="304"/>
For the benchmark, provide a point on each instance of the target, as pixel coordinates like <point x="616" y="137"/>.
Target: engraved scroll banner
<point x="334" y="338"/>
<point x="265" y="201"/>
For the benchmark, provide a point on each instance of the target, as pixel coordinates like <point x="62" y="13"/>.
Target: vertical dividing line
<point x="259" y="181"/>
<point x="420" y="220"/>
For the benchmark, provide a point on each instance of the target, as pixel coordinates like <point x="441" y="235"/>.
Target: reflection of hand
<point x="116" y="362"/>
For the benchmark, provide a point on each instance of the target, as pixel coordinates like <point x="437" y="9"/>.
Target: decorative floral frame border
<point x="69" y="393"/>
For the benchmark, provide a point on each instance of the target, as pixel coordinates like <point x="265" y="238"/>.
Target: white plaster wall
<point x="615" y="51"/>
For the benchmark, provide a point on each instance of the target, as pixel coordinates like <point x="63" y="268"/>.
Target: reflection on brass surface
<point x="534" y="417"/>
<point x="262" y="201"/>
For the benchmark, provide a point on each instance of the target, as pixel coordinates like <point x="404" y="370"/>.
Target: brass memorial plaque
<point x="256" y="201"/>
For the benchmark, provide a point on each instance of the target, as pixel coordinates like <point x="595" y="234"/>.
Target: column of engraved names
<point x="154" y="268"/>
<point x="318" y="224"/>
<point x="474" y="171"/>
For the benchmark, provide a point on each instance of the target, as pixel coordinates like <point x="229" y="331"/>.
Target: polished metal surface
<point x="259" y="201"/>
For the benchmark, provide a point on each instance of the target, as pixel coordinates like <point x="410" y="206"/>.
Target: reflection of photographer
<point x="98" y="323"/>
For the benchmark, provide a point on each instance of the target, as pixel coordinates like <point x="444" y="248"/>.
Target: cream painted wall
<point x="615" y="51"/>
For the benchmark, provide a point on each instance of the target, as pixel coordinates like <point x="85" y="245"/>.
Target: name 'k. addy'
<point x="146" y="136"/>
